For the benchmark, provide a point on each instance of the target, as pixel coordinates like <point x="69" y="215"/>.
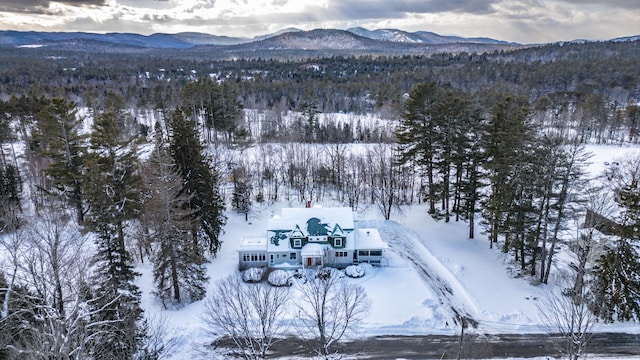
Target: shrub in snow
<point x="300" y="275"/>
<point x="253" y="275"/>
<point x="328" y="272"/>
<point x="324" y="273"/>
<point x="354" y="271"/>
<point x="279" y="278"/>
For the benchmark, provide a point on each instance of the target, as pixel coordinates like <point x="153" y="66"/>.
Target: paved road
<point x="474" y="347"/>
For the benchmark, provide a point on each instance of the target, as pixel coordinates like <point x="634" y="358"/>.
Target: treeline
<point x="605" y="70"/>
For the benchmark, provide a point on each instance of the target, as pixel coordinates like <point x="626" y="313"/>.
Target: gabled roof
<point x="313" y="250"/>
<point x="337" y="231"/>
<point x="297" y="233"/>
<point x="303" y="222"/>
<point x="292" y="217"/>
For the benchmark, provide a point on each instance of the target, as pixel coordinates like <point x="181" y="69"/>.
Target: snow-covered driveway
<point x="445" y="285"/>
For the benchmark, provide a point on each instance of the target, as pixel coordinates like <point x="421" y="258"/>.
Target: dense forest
<point x="112" y="159"/>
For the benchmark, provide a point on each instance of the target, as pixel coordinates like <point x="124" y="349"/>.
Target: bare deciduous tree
<point x="384" y="179"/>
<point x="329" y="307"/>
<point x="158" y="343"/>
<point x="11" y="244"/>
<point x="55" y="260"/>
<point x="251" y="315"/>
<point x="567" y="314"/>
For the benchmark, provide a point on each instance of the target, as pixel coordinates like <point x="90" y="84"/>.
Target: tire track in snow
<point x="407" y="244"/>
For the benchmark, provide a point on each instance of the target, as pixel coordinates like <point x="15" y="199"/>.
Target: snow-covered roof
<point x="257" y="243"/>
<point x="337" y="231"/>
<point x="278" y="241"/>
<point x="330" y="217"/>
<point x="312" y="249"/>
<point x="369" y="239"/>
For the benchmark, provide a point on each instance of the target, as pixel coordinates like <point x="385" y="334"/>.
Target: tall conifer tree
<point x="417" y="134"/>
<point x="178" y="275"/>
<point x="508" y="132"/>
<point x="113" y="186"/>
<point x="200" y="182"/>
<point x="617" y="284"/>
<point x="58" y="140"/>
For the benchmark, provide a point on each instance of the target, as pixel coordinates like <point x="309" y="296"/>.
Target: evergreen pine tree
<point x="508" y="131"/>
<point x="617" y="273"/>
<point x="10" y="188"/>
<point x="241" y="191"/>
<point x="468" y="159"/>
<point x="617" y="283"/>
<point x="417" y="134"/>
<point x="179" y="276"/>
<point x="58" y="141"/>
<point x="113" y="186"/>
<point x="200" y="182"/>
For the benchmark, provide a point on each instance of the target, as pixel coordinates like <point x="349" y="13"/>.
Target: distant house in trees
<point x="601" y="223"/>
<point x="312" y="237"/>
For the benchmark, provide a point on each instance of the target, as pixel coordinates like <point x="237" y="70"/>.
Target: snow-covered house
<point x="311" y="237"/>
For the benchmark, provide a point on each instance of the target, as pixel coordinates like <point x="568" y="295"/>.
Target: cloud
<point x="525" y="21"/>
<point x="623" y="4"/>
<point x="43" y="6"/>
<point x="82" y="2"/>
<point x="365" y="9"/>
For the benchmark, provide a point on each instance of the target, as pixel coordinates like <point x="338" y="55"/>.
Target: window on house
<point x="375" y="253"/>
<point x="363" y="252"/>
<point x="341" y="254"/>
<point x="292" y="256"/>
<point x="337" y="242"/>
<point x="253" y="257"/>
<point x="297" y="243"/>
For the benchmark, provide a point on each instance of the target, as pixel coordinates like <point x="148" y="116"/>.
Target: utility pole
<point x="463" y="324"/>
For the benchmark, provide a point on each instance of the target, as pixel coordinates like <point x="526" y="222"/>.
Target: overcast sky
<point x="524" y="21"/>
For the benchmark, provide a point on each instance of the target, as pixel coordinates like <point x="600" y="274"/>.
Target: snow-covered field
<point x="431" y="268"/>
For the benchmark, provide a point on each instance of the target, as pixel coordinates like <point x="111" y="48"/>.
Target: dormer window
<point x="337" y="242"/>
<point x="297" y="243"/>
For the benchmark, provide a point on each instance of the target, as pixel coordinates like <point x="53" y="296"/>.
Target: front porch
<point x="313" y="255"/>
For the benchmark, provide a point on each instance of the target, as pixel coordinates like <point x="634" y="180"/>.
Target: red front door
<point x="309" y="261"/>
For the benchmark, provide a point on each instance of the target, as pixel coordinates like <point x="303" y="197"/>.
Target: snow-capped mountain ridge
<point x="193" y="39"/>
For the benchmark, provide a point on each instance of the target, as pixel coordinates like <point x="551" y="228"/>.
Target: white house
<point x="311" y="237"/>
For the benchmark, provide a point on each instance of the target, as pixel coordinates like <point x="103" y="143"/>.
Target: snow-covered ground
<point x="432" y="271"/>
<point x="403" y="302"/>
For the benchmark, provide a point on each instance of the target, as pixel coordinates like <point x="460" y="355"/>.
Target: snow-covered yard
<point x="432" y="269"/>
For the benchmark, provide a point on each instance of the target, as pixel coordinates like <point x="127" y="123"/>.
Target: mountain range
<point x="186" y="40"/>
<point x="286" y="44"/>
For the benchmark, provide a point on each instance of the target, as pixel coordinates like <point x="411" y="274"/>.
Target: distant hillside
<point x="279" y="32"/>
<point x="319" y="39"/>
<point x="20" y="38"/>
<point x="424" y="37"/>
<point x="316" y="39"/>
<point x="194" y="39"/>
